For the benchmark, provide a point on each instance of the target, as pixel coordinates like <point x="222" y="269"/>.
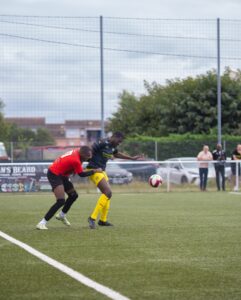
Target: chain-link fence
<point x="152" y="150"/>
<point x="67" y="69"/>
<point x="50" y="66"/>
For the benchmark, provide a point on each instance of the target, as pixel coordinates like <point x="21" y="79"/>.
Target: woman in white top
<point x="205" y="155"/>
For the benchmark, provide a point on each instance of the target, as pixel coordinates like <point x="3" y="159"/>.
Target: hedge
<point x="176" y="145"/>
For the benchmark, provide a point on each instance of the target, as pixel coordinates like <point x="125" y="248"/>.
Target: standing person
<point x="236" y="155"/>
<point x="205" y="155"/>
<point x="219" y="155"/>
<point x="102" y="152"/>
<point x="58" y="176"/>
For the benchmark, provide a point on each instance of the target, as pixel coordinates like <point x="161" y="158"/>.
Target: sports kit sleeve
<point x="87" y="173"/>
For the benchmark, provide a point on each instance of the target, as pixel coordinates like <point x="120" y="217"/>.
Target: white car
<point x="186" y="170"/>
<point x="180" y="170"/>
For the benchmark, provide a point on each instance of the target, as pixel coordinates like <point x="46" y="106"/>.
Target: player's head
<point x="117" y="138"/>
<point x="219" y="147"/>
<point x="85" y="153"/>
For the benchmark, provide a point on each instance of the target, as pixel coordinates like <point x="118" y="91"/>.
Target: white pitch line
<point x="235" y="193"/>
<point x="63" y="268"/>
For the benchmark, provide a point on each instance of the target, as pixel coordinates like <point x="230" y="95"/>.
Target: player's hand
<point x="99" y="170"/>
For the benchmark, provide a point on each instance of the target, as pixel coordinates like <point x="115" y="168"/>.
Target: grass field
<point x="163" y="246"/>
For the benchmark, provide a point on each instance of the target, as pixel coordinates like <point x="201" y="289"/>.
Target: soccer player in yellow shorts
<point x="101" y="152"/>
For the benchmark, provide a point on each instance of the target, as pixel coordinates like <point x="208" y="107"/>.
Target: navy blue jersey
<point x="101" y="153"/>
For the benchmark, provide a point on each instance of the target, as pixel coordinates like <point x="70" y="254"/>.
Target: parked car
<point x="180" y="171"/>
<point x="186" y="170"/>
<point x="118" y="175"/>
<point x="140" y="170"/>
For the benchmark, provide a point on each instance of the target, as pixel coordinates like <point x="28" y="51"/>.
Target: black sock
<point x="53" y="209"/>
<point x="70" y="200"/>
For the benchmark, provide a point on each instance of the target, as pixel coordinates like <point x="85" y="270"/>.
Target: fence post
<point x="102" y="78"/>
<point x="168" y="177"/>
<point x="224" y="146"/>
<point x="156" y="151"/>
<point x="219" y="85"/>
<point x="237" y="176"/>
<point x="11" y="151"/>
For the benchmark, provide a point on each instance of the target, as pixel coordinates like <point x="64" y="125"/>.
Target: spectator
<point x="236" y="155"/>
<point x="205" y="155"/>
<point x="220" y="156"/>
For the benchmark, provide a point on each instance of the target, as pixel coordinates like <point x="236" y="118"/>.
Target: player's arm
<point x="87" y="173"/>
<point x="125" y="156"/>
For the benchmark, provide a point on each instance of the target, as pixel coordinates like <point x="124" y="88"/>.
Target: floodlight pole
<point x="219" y="111"/>
<point x="102" y="79"/>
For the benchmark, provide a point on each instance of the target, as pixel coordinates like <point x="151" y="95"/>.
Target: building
<point x="28" y="123"/>
<point x="70" y="133"/>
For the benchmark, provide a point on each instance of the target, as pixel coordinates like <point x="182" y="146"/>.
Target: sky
<point x="50" y="57"/>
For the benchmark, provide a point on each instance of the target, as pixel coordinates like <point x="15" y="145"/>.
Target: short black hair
<point x="118" y="134"/>
<point x="85" y="150"/>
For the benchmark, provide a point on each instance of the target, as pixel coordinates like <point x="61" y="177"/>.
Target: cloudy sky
<point x="50" y="57"/>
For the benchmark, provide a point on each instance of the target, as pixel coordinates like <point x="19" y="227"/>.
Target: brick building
<point x="70" y="133"/>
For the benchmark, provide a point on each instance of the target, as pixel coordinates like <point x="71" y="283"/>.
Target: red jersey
<point x="67" y="164"/>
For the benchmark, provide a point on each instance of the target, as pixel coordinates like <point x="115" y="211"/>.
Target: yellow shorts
<point x="97" y="177"/>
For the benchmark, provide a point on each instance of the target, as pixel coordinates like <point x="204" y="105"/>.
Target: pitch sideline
<point x="65" y="269"/>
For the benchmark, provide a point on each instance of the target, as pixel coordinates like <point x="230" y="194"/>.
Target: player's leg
<point x="106" y="191"/>
<point x="72" y="196"/>
<point x="101" y="181"/>
<point x="58" y="189"/>
<point x="59" y="194"/>
<point x="103" y="219"/>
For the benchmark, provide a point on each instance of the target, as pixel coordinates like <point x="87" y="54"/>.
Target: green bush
<point x="176" y="145"/>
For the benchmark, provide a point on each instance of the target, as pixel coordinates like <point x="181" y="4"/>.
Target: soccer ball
<point x="155" y="180"/>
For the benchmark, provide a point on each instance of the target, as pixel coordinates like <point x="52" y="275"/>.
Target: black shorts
<point x="56" y="180"/>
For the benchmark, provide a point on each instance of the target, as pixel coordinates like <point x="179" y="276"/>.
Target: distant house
<point x="70" y="133"/>
<point x="28" y="123"/>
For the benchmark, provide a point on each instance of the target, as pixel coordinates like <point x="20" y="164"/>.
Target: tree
<point x="181" y="106"/>
<point x="125" y="119"/>
<point x="3" y="125"/>
<point x="43" y="138"/>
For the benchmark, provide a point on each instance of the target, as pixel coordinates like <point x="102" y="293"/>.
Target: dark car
<point x="118" y="175"/>
<point x="141" y="170"/>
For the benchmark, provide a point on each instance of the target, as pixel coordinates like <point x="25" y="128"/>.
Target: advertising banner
<point x="24" y="177"/>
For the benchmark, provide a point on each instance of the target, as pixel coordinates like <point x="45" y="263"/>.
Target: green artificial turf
<point x="163" y="246"/>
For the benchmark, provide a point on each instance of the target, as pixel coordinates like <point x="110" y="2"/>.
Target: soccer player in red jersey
<point x="58" y="176"/>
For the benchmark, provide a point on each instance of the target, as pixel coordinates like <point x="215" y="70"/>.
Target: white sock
<point x="61" y="214"/>
<point x="43" y="221"/>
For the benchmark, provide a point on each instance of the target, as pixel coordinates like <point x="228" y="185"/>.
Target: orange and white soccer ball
<point x="155" y="180"/>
